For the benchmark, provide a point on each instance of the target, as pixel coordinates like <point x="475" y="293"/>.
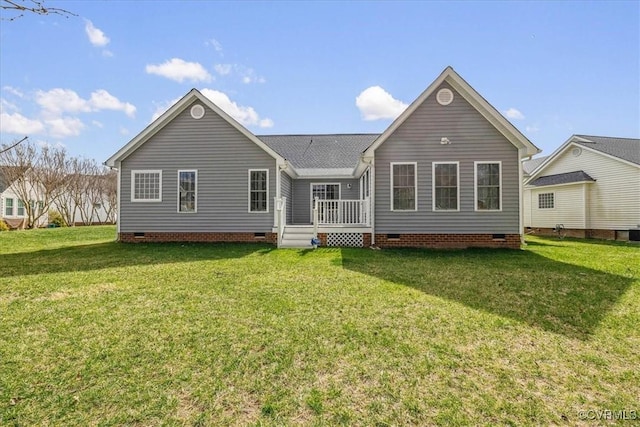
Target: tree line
<point x="47" y="179"/>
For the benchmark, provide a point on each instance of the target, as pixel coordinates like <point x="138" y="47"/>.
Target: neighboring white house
<point x="590" y="186"/>
<point x="14" y="213"/>
<point x="12" y="207"/>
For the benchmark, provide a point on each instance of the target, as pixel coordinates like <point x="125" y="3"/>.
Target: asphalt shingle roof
<point x="335" y="151"/>
<point x="624" y="148"/>
<point x="529" y="165"/>
<point x="563" y="178"/>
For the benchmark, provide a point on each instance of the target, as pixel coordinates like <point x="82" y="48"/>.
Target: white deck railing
<point x="343" y="212"/>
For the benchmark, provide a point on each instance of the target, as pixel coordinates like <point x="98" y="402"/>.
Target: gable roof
<point x="623" y="148"/>
<point x="626" y="150"/>
<point x="563" y="178"/>
<point x="315" y="152"/>
<point x="475" y="99"/>
<point x="529" y="166"/>
<point x="170" y="114"/>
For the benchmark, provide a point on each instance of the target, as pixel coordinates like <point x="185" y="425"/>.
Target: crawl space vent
<point x="444" y="96"/>
<point x="197" y="111"/>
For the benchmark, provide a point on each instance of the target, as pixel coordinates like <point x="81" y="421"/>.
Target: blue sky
<point x="92" y="82"/>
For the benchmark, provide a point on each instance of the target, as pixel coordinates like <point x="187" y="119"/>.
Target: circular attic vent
<point x="197" y="111"/>
<point x="576" y="151"/>
<point x="444" y="96"/>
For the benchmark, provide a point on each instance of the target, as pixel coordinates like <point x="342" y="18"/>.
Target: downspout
<point x="118" y="199"/>
<point x="521" y="195"/>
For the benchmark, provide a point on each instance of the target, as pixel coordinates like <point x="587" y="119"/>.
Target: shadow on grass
<point x="115" y="255"/>
<point x="521" y="285"/>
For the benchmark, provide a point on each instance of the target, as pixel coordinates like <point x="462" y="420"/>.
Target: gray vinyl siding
<point x="221" y="155"/>
<point x="287" y="191"/>
<point x="302" y="195"/>
<point x="472" y="138"/>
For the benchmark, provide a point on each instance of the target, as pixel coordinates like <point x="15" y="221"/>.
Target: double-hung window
<point x="404" y="186"/>
<point x="20" y="208"/>
<point x="545" y="201"/>
<point x="446" y="182"/>
<point x="187" y="190"/>
<point x="258" y="190"/>
<point x="146" y="185"/>
<point x="8" y="207"/>
<point x="488" y="189"/>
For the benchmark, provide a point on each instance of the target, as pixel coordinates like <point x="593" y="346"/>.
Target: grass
<point x="99" y="333"/>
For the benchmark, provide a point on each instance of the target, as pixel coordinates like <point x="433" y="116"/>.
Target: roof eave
<point x="475" y="99"/>
<point x="170" y="114"/>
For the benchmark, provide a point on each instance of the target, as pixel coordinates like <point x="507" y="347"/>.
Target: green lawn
<point x="93" y="332"/>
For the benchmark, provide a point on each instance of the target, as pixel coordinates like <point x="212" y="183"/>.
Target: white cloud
<point x="8" y="106"/>
<point x="63" y="127"/>
<point x="215" y="43"/>
<point x="247" y="116"/>
<point x="180" y="70"/>
<point x="124" y="131"/>
<point x="375" y="103"/>
<point x="514" y="114"/>
<point x="223" y="69"/>
<point x="96" y="36"/>
<point x="266" y="123"/>
<point x="16" y="123"/>
<point x="97" y="124"/>
<point x="107" y="53"/>
<point x="162" y="107"/>
<point x="103" y="100"/>
<point x="46" y="144"/>
<point x="57" y="101"/>
<point x="247" y="75"/>
<point x="14" y="91"/>
<point x="532" y="128"/>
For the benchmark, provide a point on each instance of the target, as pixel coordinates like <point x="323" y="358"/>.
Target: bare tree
<point x="12" y="145"/>
<point x="67" y="203"/>
<point x="110" y="192"/>
<point x="37" y="177"/>
<point x="20" y="7"/>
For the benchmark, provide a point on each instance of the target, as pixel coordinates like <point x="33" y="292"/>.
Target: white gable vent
<point x="576" y="151"/>
<point x="444" y="96"/>
<point x="197" y="111"/>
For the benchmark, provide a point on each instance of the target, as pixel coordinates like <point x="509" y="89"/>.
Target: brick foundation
<point x="448" y="241"/>
<point x="196" y="237"/>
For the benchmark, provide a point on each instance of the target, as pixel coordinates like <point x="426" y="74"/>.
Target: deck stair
<point x="297" y="236"/>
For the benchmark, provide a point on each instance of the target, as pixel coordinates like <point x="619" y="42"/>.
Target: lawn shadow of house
<point x="555" y="296"/>
<point x="82" y="258"/>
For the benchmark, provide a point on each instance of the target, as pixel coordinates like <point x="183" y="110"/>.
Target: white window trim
<point x="13" y="207"/>
<point x="195" y="208"/>
<point x="475" y="184"/>
<point x="311" y="194"/>
<point x="249" y="191"/>
<point x="24" y="209"/>
<point x="433" y="186"/>
<point x="133" y="182"/>
<point x="415" y="185"/>
<point x="538" y="201"/>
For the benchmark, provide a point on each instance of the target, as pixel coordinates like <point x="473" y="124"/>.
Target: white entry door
<point x="325" y="191"/>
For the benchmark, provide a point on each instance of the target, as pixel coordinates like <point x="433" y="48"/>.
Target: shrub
<point x="3" y="226"/>
<point x="56" y="218"/>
